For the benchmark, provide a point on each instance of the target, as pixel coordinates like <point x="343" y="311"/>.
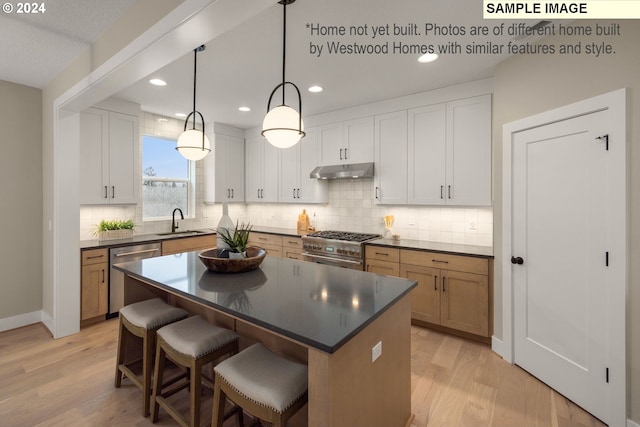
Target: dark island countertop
<point x="317" y="305"/>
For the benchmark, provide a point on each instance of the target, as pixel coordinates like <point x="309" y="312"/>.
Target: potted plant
<point x="236" y="240"/>
<point x="114" y="229"/>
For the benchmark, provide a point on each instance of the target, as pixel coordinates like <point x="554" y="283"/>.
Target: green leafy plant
<point x="114" y="224"/>
<point x="237" y="241"/>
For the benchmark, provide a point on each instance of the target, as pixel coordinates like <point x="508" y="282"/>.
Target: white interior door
<point x="560" y="229"/>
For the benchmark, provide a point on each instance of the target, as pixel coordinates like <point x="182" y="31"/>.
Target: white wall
<point x="21" y="195"/>
<point x="530" y="84"/>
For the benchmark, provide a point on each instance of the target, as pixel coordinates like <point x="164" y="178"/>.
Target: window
<point x="166" y="178"/>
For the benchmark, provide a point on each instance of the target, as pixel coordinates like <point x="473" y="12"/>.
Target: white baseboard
<point x="497" y="345"/>
<point x="48" y="322"/>
<point x="20" y="320"/>
<point x="632" y="424"/>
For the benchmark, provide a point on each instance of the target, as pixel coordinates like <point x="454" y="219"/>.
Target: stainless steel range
<point x="337" y="248"/>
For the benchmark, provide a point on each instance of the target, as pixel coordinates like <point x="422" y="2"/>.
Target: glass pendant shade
<point x="283" y="127"/>
<point x="190" y="145"/>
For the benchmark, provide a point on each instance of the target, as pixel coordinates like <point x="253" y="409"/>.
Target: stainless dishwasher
<point x="116" y="278"/>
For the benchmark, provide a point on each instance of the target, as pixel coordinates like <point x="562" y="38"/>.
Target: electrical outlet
<point x="472" y="225"/>
<point x="376" y="351"/>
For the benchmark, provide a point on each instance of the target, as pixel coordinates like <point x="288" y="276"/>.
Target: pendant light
<point x="193" y="144"/>
<point x="282" y="126"/>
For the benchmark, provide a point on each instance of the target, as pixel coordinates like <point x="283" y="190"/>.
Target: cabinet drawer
<point x="445" y="261"/>
<point x="382" y="253"/>
<point x="292" y="242"/>
<point x="272" y="250"/>
<point x="188" y="244"/>
<point x="262" y="239"/>
<point x="95" y="256"/>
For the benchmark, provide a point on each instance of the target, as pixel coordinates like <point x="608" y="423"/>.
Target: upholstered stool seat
<point x="142" y="320"/>
<point x="263" y="384"/>
<point x="191" y="343"/>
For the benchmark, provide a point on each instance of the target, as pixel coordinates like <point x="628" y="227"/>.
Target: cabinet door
<point x="289" y="173"/>
<point x="387" y="268"/>
<point x="425" y="298"/>
<point x="94" y="290"/>
<point x="391" y="158"/>
<point x="426" y="155"/>
<point x="311" y="190"/>
<point x="235" y="168"/>
<point x="271" y="169"/>
<point x="469" y="152"/>
<point x="94" y="146"/>
<point x="358" y="138"/>
<point x="254" y="163"/>
<point x="332" y="145"/>
<point x="465" y="302"/>
<point x="124" y="176"/>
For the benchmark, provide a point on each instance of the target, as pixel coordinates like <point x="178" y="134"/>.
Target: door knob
<point x="517" y="260"/>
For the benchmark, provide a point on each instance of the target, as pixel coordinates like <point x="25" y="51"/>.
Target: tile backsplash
<point x="351" y="207"/>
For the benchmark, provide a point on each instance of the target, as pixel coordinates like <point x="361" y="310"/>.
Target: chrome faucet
<point x="174" y="224"/>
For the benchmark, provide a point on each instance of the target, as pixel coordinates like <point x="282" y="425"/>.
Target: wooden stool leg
<point x="196" y="389"/>
<point x="157" y="380"/>
<point x="147" y="366"/>
<point x="120" y="354"/>
<point x="219" y="399"/>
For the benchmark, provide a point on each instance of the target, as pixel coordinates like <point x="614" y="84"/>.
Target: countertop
<point x="452" y="248"/>
<point x="318" y="305"/>
<point x="140" y="239"/>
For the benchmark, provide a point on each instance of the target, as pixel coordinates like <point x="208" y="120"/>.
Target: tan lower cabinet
<point x="94" y="283"/>
<point x="381" y="260"/>
<point x="188" y="244"/>
<point x="453" y="291"/>
<point x="272" y="243"/>
<point x="292" y="247"/>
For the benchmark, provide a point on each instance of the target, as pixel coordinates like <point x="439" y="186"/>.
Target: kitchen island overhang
<point x="328" y="317"/>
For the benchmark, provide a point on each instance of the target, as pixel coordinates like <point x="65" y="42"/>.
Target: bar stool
<point x="142" y="320"/>
<point x="190" y="343"/>
<point x="265" y="385"/>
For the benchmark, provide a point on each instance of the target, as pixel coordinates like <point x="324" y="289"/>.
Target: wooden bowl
<point x="214" y="262"/>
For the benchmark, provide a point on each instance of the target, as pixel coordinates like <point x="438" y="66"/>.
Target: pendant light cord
<point x="195" y="68"/>
<point x="284" y="45"/>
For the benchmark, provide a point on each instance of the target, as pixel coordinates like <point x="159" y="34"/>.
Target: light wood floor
<point x="69" y="382"/>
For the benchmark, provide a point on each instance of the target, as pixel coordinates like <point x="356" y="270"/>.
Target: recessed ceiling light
<point x="158" y="82"/>
<point x="428" y="57"/>
<point x="315" y="89"/>
<point x="181" y="115"/>
<point x="244" y="109"/>
<point x="163" y="119"/>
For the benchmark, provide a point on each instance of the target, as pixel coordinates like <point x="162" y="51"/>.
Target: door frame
<point x="616" y="102"/>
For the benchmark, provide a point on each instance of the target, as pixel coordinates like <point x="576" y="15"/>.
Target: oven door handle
<point x="328" y="258"/>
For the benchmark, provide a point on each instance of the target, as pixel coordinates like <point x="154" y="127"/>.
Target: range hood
<point x="356" y="170"/>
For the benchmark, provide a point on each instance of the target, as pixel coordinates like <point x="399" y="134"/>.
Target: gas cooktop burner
<point x="344" y="235"/>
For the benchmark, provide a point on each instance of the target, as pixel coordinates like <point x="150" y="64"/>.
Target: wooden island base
<point x="345" y="388"/>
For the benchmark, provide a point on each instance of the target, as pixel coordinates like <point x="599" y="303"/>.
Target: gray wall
<point x="21" y="196"/>
<point x="527" y="85"/>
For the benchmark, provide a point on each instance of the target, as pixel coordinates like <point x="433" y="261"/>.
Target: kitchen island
<point x="335" y="320"/>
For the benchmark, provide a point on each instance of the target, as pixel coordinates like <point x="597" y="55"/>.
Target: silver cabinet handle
<point x="95" y="256"/>
<point x="435" y="283"/>
<point x="449" y="191"/>
<point x="441" y="189"/>
<point x="258" y="193"/>
<point x="341" y="154"/>
<point x="146" y="251"/>
<point x="262" y="193"/>
<point x="444" y="281"/>
<point x="113" y="191"/>
<point x="232" y="194"/>
<point x="437" y="260"/>
<point x="103" y="275"/>
<point x="298" y="193"/>
<point x="294" y="193"/>
<point x="345" y="154"/>
<point x="377" y="192"/>
<point x="106" y="192"/>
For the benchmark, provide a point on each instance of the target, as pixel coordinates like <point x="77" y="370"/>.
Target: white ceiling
<point x="36" y="47"/>
<point x="242" y="66"/>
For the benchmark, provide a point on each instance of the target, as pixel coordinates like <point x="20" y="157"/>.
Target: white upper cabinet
<point x="296" y="164"/>
<point x="391" y="158"/>
<point x="109" y="157"/>
<point x="468" y="177"/>
<point x="426" y="155"/>
<point x="224" y="168"/>
<point x="346" y="142"/>
<point x="262" y="170"/>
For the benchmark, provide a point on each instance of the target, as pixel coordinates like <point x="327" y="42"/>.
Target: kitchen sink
<point x="181" y="233"/>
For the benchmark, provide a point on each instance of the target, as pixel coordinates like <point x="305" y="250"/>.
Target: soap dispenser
<point x="225" y="224"/>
